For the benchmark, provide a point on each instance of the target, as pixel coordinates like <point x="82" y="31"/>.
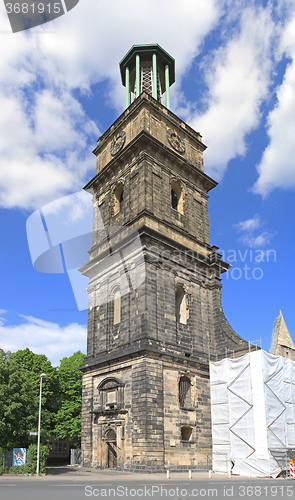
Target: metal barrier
<point x="76" y="457"/>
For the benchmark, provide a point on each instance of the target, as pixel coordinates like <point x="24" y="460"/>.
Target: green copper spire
<point x="147" y="68"/>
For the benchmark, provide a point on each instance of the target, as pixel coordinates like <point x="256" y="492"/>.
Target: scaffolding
<point x="253" y="414"/>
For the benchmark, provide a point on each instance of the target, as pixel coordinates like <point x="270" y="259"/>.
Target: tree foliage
<point x="19" y="398"/>
<point x="68" y="418"/>
<point x="31" y="365"/>
<point x="31" y="464"/>
<point x="17" y="406"/>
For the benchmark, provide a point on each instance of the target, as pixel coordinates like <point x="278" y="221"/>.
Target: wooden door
<point x="112" y="456"/>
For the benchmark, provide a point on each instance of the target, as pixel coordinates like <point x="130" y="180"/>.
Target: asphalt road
<point x="81" y="485"/>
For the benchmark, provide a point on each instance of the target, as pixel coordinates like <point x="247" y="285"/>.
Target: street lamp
<point x="43" y="375"/>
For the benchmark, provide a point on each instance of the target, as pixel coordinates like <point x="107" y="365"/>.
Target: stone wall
<point x="148" y="419"/>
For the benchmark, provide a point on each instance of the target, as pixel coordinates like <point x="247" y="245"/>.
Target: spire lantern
<point x="147" y="68"/>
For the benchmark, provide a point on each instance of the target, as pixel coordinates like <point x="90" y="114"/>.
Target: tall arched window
<point x="118" y="198"/>
<point x="181" y="310"/>
<point x="117" y="307"/>
<point x="177" y="196"/>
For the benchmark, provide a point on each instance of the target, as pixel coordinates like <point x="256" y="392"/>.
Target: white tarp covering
<point x="253" y="413"/>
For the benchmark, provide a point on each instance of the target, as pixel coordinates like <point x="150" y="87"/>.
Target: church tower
<point x="155" y="314"/>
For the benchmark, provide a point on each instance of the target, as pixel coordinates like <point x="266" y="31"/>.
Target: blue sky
<point x="235" y="84"/>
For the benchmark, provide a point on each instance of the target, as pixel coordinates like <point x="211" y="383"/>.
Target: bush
<point x="31" y="461"/>
<point x="17" y="469"/>
<point x="31" y="464"/>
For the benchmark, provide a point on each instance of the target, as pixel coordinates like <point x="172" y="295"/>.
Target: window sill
<point x="178" y="214"/>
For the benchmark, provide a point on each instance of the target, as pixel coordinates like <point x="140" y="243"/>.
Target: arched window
<point x="181" y="305"/>
<point x="118" y="198"/>
<point x="117" y="307"/>
<point x="176" y="196"/>
<point x="184" y="390"/>
<point x="111" y="436"/>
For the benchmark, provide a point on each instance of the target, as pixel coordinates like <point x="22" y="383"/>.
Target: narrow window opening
<point x="121" y="200"/>
<point x="118" y="198"/>
<point x="184" y="388"/>
<point x="174" y="199"/>
<point x="177" y="196"/>
<point x="186" y="433"/>
<point x="181" y="305"/>
<point x="117" y="308"/>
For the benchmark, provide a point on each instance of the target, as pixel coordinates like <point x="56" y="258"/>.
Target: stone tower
<point x="155" y="313"/>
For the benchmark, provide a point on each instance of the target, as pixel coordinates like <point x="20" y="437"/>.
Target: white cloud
<point x="45" y="151"/>
<point x="54" y="117"/>
<point x="253" y="234"/>
<point x="2" y="319"/>
<point x="277" y="166"/>
<point x="45" y="136"/>
<point x="238" y="76"/>
<point x="256" y="241"/>
<point x="44" y="337"/>
<point x="249" y="224"/>
<point x="70" y="210"/>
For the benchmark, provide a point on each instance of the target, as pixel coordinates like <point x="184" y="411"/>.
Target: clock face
<point x="118" y="142"/>
<point x="176" y="141"/>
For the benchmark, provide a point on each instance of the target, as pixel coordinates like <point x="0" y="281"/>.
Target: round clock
<point x="175" y="140"/>
<point x="118" y="142"/>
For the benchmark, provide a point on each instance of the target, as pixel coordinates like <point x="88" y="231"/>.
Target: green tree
<point x="68" y="418"/>
<point x="19" y="397"/>
<point x="32" y="365"/>
<point x="17" y="406"/>
<point x="31" y="464"/>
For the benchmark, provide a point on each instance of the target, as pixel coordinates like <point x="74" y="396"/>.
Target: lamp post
<point x="43" y="375"/>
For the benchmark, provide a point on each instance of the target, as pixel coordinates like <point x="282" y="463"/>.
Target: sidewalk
<point x="85" y="473"/>
<point x="81" y="474"/>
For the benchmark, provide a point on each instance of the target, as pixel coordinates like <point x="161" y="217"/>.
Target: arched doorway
<point x="111" y="440"/>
